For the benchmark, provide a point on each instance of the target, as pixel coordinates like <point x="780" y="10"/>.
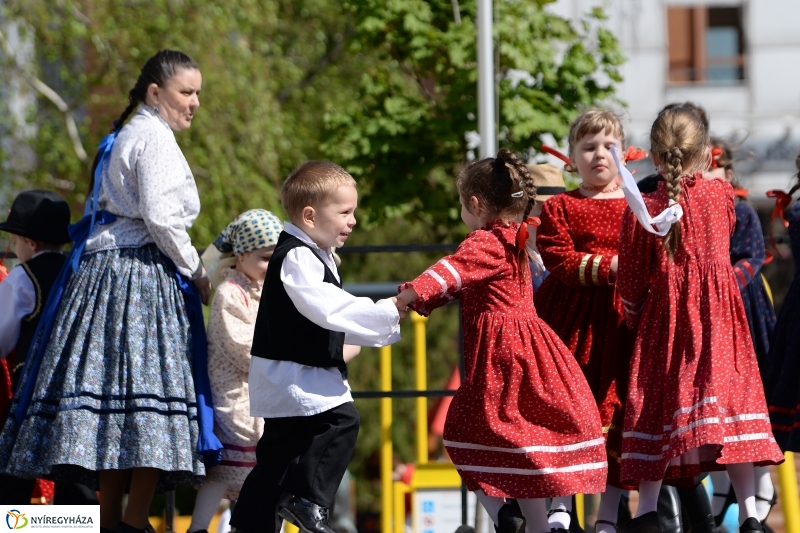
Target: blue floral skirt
<point x="115" y="387"/>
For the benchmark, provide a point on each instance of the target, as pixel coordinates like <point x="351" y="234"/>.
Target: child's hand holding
<point x="402" y="309"/>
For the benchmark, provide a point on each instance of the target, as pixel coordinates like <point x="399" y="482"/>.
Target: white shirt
<point x="17" y="300"/>
<point x="285" y="388"/>
<point x="148" y="185"/>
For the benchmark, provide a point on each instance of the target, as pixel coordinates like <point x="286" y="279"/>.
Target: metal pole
<point x="421" y="381"/>
<point x="387" y="452"/>
<point x="486" y="117"/>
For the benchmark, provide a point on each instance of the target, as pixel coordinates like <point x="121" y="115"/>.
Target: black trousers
<point x="300" y="455"/>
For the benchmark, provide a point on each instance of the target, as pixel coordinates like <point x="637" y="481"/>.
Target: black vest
<point x="282" y="333"/>
<point x="43" y="271"/>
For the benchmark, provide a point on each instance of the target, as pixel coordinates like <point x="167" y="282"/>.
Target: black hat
<point x="39" y="215"/>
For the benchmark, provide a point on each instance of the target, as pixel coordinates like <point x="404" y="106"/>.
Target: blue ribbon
<point x="208" y="445"/>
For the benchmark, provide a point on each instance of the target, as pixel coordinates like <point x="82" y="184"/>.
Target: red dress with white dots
<point x="578" y="238"/>
<point x="523" y="423"/>
<point x="695" y="399"/>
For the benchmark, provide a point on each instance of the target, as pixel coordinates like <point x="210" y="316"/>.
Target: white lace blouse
<point x="148" y="185"/>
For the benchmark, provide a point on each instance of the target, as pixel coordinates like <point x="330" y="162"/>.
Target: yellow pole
<point x="387" y="459"/>
<point x="421" y="381"/>
<point x="787" y="478"/>
<point x="580" y="510"/>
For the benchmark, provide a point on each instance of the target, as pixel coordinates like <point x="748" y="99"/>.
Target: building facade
<point x="739" y="59"/>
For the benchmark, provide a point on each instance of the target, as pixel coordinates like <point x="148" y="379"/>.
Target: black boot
<point x="510" y="518"/>
<point x="306" y="515"/>
<point x="623" y="511"/>
<point x="696" y="510"/>
<point x="669" y="510"/>
<point x="647" y="523"/>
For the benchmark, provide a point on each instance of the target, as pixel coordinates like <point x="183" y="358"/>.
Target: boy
<point x="297" y="373"/>
<point x="38" y="223"/>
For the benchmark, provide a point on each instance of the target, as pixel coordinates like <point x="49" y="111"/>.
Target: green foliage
<point x="403" y="138"/>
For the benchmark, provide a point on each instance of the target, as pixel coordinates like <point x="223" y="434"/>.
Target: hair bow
<point x="715" y="153"/>
<point x="522" y="233"/>
<point x="782" y="201"/>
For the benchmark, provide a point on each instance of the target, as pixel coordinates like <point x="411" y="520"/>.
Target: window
<point x="706" y="44"/>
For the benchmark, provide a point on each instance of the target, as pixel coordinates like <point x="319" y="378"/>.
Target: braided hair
<point x="504" y="186"/>
<point x="159" y="69"/>
<point x="680" y="141"/>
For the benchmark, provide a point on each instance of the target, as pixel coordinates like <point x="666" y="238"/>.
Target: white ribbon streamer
<point x="663" y="221"/>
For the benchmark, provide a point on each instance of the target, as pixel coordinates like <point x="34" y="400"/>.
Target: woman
<point x="114" y="403"/>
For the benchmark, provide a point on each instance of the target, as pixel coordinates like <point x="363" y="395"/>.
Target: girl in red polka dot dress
<point x="523" y="423"/>
<point x="695" y="399"/>
<point x="578" y="240"/>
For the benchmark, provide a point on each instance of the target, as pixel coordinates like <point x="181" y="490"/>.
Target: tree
<point x="271" y="69"/>
<point x="404" y="136"/>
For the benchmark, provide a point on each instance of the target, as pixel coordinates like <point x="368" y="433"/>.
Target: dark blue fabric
<point x="747" y="257"/>
<point x="208" y="445"/>
<point x="782" y="379"/>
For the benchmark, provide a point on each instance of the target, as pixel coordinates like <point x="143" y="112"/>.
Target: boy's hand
<point x="402" y="308"/>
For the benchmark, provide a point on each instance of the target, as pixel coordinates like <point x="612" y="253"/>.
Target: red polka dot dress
<point x="695" y="399"/>
<point x="523" y="423"/>
<point x="577" y="239"/>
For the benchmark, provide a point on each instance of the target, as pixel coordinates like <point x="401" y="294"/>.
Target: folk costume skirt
<point x="115" y="387"/>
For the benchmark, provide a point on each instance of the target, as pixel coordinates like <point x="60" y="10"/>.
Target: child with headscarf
<point x="237" y="263"/>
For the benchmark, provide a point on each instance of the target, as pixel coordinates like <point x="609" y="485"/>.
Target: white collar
<point x="294" y="231"/>
<point x="146" y="110"/>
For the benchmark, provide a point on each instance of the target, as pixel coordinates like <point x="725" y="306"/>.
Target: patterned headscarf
<point x="253" y="229"/>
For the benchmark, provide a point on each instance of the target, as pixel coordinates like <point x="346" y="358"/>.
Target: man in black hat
<point x="38" y="223"/>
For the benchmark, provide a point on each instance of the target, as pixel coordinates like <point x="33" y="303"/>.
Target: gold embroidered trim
<point x="38" y="290"/>
<point x="596" y="268"/>
<point x="582" y="269"/>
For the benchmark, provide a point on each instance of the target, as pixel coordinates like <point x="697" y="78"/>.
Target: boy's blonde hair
<point x="595" y="121"/>
<point x="310" y="184"/>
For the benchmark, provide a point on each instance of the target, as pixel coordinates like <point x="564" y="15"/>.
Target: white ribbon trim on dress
<point x="663" y="221"/>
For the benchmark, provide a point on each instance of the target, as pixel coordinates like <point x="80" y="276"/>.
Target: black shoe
<point x="308" y="516"/>
<point x="574" y="525"/>
<point x="647" y="523"/>
<point x="751" y="525"/>
<point x="612" y="524"/>
<point x="464" y="528"/>
<point x="510" y="519"/>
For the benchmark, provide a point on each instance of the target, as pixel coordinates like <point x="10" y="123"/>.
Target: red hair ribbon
<point x="552" y="151"/>
<point x="634" y="153"/>
<point x="715" y="153"/>
<point x="522" y="233"/>
<point x="741" y="193"/>
<point x="782" y="201"/>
